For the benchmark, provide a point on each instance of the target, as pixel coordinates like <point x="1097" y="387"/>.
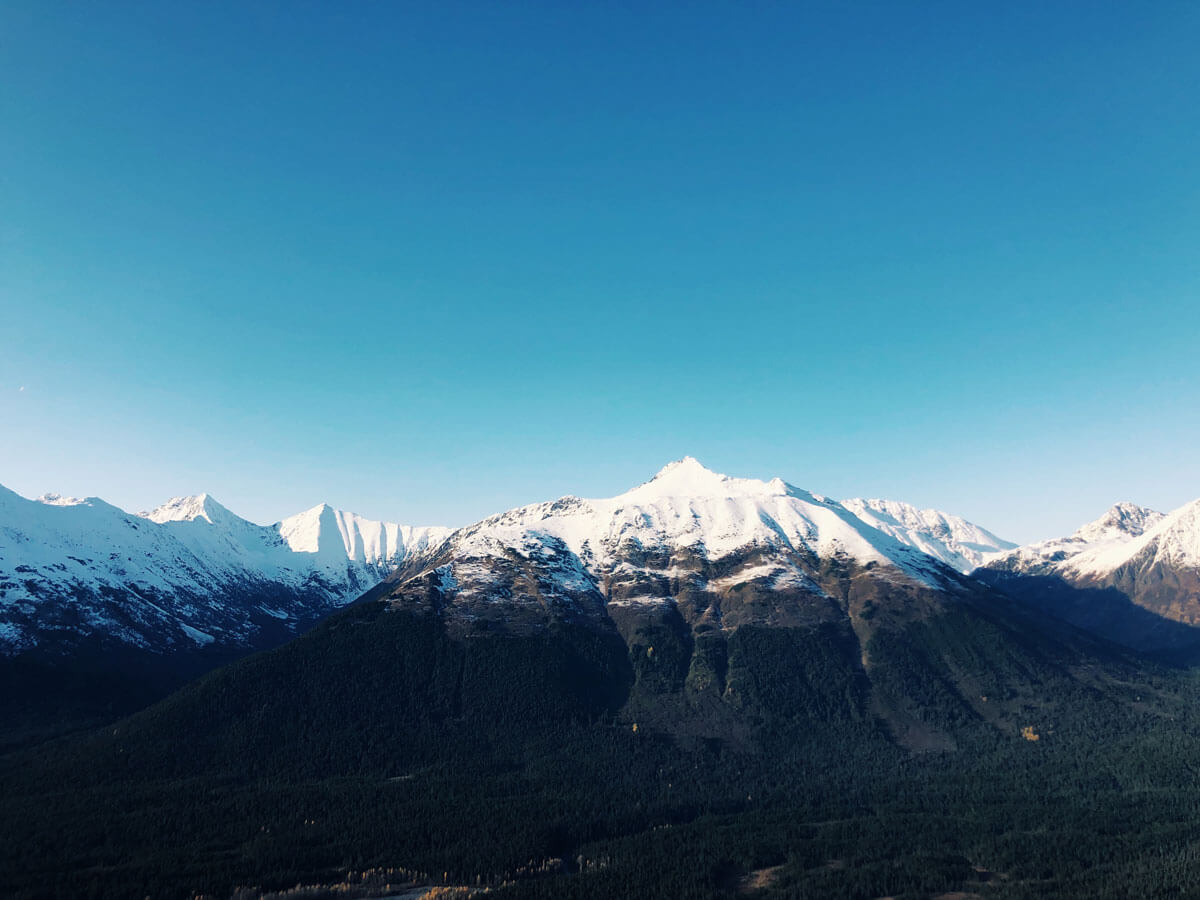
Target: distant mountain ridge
<point x="1119" y="525"/>
<point x="1132" y="576"/>
<point x="188" y="574"/>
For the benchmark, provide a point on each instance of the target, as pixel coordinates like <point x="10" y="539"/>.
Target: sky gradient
<point x="430" y="261"/>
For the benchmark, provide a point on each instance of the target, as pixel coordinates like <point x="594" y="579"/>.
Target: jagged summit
<point x="304" y="530"/>
<point x="1121" y="521"/>
<point x="708" y="494"/>
<point x="1131" y="576"/>
<point x="1092" y="544"/>
<point x="686" y="476"/>
<point x="689" y="505"/>
<point x="10" y="498"/>
<point x="1172" y="540"/>
<point x="335" y="535"/>
<point x="686" y="464"/>
<point x="188" y="509"/>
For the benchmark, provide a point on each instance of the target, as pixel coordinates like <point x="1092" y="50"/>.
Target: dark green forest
<point x="523" y="766"/>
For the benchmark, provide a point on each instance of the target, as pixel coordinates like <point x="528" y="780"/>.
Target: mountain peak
<point x="188" y="509"/>
<point x="336" y="535"/>
<point x="1121" y="521"/>
<point x="313" y="512"/>
<point x="688" y="477"/>
<point x="685" y="477"/>
<point x="689" y="466"/>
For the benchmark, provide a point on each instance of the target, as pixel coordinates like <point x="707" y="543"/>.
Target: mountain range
<point x="73" y="569"/>
<point x="703" y="686"/>
<point x="192" y="576"/>
<point x="186" y="575"/>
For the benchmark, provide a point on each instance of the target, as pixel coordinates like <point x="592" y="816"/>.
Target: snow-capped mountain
<point x="716" y="588"/>
<point x="1158" y="569"/>
<point x="1120" y="524"/>
<point x="1132" y="576"/>
<point x="186" y="575"/>
<point x="952" y="539"/>
<point x="722" y="551"/>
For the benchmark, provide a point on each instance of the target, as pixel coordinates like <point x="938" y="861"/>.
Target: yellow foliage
<point x="1029" y="734"/>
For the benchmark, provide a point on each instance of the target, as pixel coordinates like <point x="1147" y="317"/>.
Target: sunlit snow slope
<point x="950" y="538"/>
<point x="1106" y="537"/>
<point x="188" y="574"/>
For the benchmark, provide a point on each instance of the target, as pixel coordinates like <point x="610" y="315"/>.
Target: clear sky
<point x="430" y="261"/>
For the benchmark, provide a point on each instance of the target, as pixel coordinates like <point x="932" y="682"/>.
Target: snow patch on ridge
<point x="60" y="500"/>
<point x="196" y="635"/>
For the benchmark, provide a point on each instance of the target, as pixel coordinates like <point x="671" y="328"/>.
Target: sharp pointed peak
<point x="686" y="464"/>
<point x="684" y="476"/>
<point x="188" y="509"/>
<point x="1123" y="518"/>
<point x="688" y="477"/>
<point x="321" y="517"/>
<point x="312" y="512"/>
<point x="1129" y="508"/>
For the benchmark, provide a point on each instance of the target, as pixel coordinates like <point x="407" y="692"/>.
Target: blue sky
<point x="430" y="261"/>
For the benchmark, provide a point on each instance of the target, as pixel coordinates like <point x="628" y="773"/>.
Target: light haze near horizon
<point x="432" y="261"/>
